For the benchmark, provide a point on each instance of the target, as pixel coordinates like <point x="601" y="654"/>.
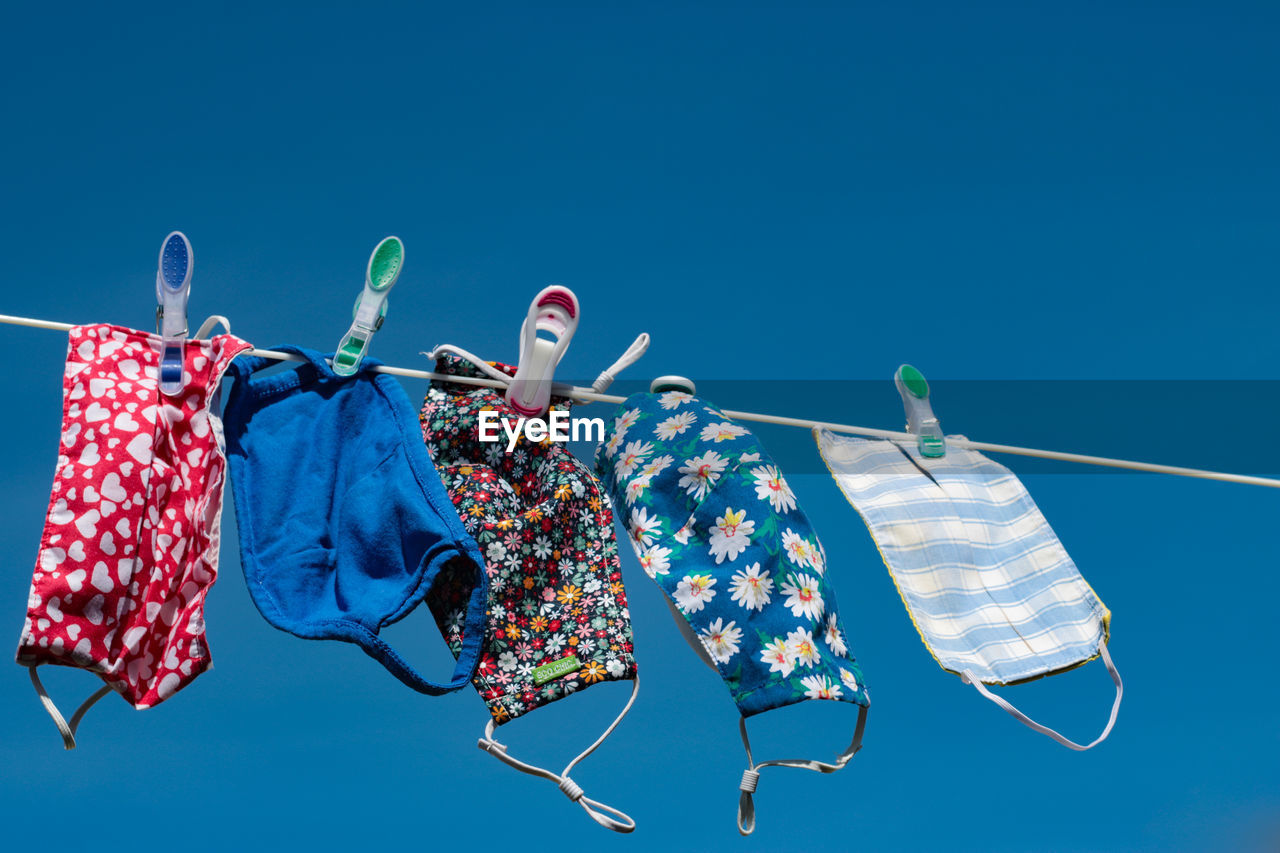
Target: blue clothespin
<point x="380" y="276"/>
<point x="554" y="311"/>
<point x="921" y="421"/>
<point x="173" y="287"/>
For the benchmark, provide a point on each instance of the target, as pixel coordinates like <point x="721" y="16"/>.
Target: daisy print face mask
<point x="715" y="525"/>
<point x="557" y="618"/>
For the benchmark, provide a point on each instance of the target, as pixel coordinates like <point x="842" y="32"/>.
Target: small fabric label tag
<point x="555" y="669"/>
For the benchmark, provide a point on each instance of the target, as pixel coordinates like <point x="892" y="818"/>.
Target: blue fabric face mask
<point x="344" y="525"/>
<point x="717" y="527"/>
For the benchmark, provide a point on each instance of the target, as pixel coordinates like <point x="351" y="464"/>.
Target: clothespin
<point x="920" y="418"/>
<point x="672" y="383"/>
<point x="173" y="287"/>
<point x="554" y="311"/>
<point x="370" y="310"/>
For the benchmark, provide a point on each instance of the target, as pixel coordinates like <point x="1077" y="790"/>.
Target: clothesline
<point x="586" y="395"/>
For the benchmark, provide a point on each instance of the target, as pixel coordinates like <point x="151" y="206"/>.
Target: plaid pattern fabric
<point x="983" y="576"/>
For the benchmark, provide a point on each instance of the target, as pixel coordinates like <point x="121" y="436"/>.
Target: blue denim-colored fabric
<point x="344" y="525"/>
<point x="716" y="526"/>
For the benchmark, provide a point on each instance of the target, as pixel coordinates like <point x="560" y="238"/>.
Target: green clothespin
<point x="921" y="421"/>
<point x="371" y="306"/>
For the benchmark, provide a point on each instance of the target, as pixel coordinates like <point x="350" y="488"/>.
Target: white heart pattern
<point x="142" y="575"/>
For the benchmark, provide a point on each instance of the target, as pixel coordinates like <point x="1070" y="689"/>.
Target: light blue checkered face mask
<point x="993" y="593"/>
<point x="716" y="526"/>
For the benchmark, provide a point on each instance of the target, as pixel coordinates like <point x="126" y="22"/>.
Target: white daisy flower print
<point x="626" y="420"/>
<point x="818" y="557"/>
<point x="723" y="431"/>
<point x="693" y="592"/>
<point x="682" y="535"/>
<point x="632" y="458"/>
<point x="803" y="648"/>
<point x="730" y="535"/>
<point x="610" y="447"/>
<point x="656" y="561"/>
<point x="635" y="489"/>
<point x="779" y="657"/>
<point x="701" y="473"/>
<point x="654" y="467"/>
<point x="495" y="552"/>
<point x="803" y="597"/>
<point x="674" y="425"/>
<point x="721" y="640"/>
<point x="771" y="486"/>
<point x="796" y="548"/>
<point x="643" y="528"/>
<point x="820" y="687"/>
<point x="507" y="661"/>
<point x="849" y="680"/>
<point x="749" y="457"/>
<point x="835" y="640"/>
<point x="751" y="588"/>
<point x="674" y="399"/>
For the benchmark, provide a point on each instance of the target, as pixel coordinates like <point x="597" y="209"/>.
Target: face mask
<point x="130" y="542"/>
<point x="715" y="524"/>
<point x="984" y="578"/>
<point x="343" y="523"/>
<point x="557" y="610"/>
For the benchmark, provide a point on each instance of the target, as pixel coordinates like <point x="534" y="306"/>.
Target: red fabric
<point x="130" y="543"/>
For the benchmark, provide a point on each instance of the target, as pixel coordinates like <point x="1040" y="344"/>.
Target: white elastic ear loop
<point x="207" y="326"/>
<point x="751" y="776"/>
<point x="638" y="348"/>
<point x="969" y="678"/>
<point x="616" y="820"/>
<point x="484" y="366"/>
<point x="68" y="732"/>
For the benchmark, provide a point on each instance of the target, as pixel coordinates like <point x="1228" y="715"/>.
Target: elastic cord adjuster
<point x="750" y="778"/>
<point x="571" y="789"/>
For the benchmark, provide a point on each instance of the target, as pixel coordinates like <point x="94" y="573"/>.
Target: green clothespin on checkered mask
<point x="371" y="306"/>
<point x="921" y="421"/>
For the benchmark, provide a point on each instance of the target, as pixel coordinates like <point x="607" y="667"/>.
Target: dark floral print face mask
<point x="557" y="619"/>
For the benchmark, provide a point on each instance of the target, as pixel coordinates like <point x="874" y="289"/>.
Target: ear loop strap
<point x="638" y="348"/>
<point x="632" y="354"/>
<point x="616" y="820"/>
<point x="751" y="776"/>
<point x="68" y="731"/>
<point x="210" y="322"/>
<point x="969" y="678"/>
<point x="466" y="355"/>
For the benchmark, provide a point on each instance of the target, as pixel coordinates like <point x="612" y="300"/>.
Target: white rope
<point x="586" y="395"/>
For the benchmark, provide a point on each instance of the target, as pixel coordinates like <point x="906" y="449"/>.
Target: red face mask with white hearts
<point x="130" y="543"/>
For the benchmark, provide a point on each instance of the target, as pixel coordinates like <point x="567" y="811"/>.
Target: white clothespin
<point x="555" y="311"/>
<point x="370" y="310"/>
<point x="672" y="383"/>
<point x="173" y="287"/>
<point x="920" y="418"/>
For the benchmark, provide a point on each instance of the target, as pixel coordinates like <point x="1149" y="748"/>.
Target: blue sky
<point x="994" y="193"/>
